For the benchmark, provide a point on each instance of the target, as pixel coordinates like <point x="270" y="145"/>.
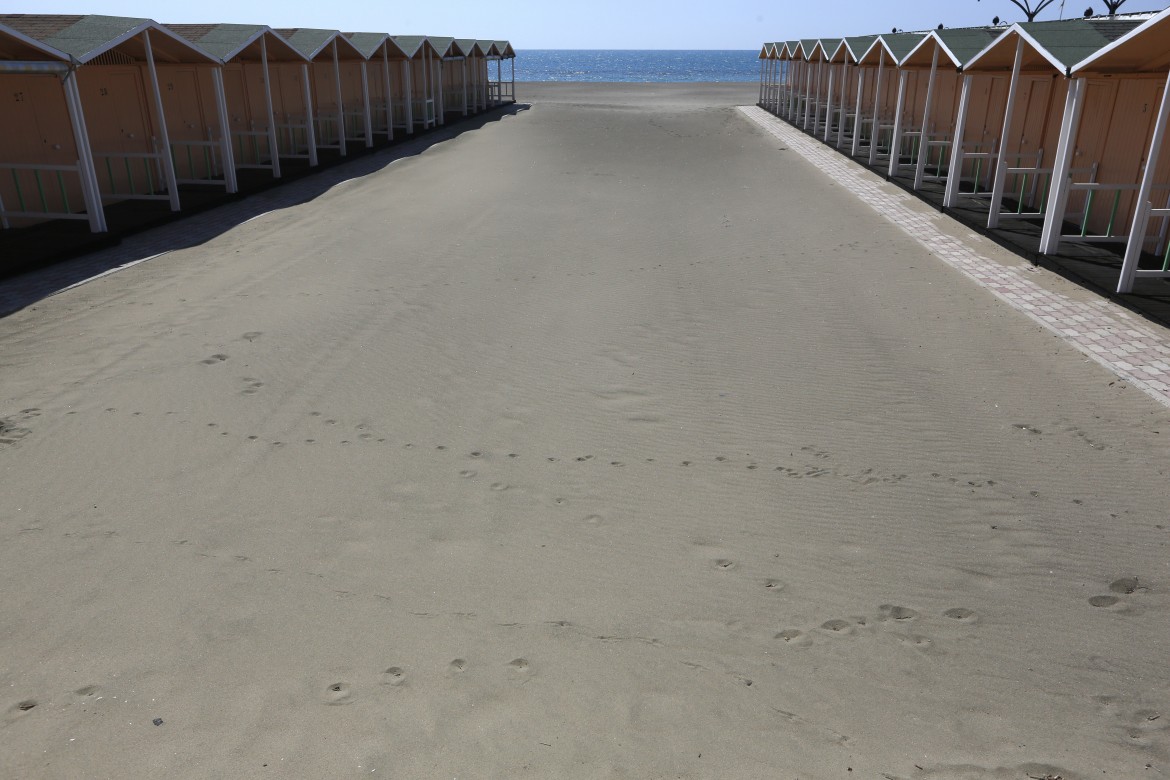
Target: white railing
<point x="355" y="125"/>
<point x="44" y="186"/>
<point x="292" y="138"/>
<point x="1114" y="231"/>
<point x="198" y="162"/>
<point x="251" y="149"/>
<point x="982" y="166"/>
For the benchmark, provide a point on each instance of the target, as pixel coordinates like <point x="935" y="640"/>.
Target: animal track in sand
<point x="337" y="694"/>
<point x="211" y="361"/>
<point x="394" y="676"/>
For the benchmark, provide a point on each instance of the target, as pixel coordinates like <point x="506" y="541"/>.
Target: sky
<point x="587" y="24"/>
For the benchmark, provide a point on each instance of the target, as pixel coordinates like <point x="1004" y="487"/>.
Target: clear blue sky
<point x="586" y="24"/>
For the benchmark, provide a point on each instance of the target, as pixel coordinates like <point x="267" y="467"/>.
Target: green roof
<point x="964" y="43"/>
<point x="1072" y="40"/>
<point x="808" y="45"/>
<point x="466" y="45"/>
<point x="366" y="42"/>
<point x="859" y="44"/>
<point x="901" y="44"/>
<point x="309" y="41"/>
<point x="78" y="36"/>
<point x="410" y="44"/>
<point x="222" y="40"/>
<point x="442" y="45"/>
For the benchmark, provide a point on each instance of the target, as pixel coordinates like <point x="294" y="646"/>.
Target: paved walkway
<point x="1123" y="343"/>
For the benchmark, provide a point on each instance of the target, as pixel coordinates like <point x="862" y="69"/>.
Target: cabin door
<point x="36" y="129"/>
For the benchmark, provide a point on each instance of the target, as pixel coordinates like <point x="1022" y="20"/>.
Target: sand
<point x="605" y="440"/>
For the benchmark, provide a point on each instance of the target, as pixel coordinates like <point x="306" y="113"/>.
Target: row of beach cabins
<point x="105" y="110"/>
<point x="1056" y="124"/>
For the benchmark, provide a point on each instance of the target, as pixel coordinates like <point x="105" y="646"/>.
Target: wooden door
<point x="36" y="129"/>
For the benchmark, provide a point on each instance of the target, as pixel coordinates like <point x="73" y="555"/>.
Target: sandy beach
<point x="610" y="439"/>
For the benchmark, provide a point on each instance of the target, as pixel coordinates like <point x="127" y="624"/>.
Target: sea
<point x="628" y="65"/>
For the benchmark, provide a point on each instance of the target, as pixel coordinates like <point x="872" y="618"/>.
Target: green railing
<point x="1098" y="195"/>
<point x="131" y="175"/>
<point x="41" y="192"/>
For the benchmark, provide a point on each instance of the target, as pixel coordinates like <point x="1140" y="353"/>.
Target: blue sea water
<point x="627" y="65"/>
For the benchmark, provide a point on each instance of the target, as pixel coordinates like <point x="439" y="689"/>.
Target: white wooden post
<point x="808" y="88"/>
<point x="857" y="114"/>
<point x="369" y="124"/>
<point x="427" y="96"/>
<point x="1001" y="156"/>
<point x="90" y="190"/>
<point x="463" y="83"/>
<point x="168" y="164"/>
<point x="408" y="95"/>
<point x="340" y="102"/>
<point x="955" y="169"/>
<point x="896" y="139"/>
<point x="877" y="109"/>
<point x="923" y="144"/>
<point x="225" y="132"/>
<point x="844" y="102"/>
<point x="1065" y="151"/>
<point x="441" y="91"/>
<point x="310" y="131"/>
<point x="273" y="148"/>
<point x="387" y="90"/>
<point x="1141" y="215"/>
<point x="829" y="102"/>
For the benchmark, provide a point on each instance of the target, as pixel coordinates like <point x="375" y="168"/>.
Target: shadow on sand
<point x="43" y="261"/>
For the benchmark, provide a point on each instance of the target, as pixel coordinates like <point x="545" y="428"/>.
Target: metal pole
<point x="225" y="132"/>
<point x="955" y="170"/>
<point x="1065" y="149"/>
<point x="310" y="131"/>
<point x="923" y="139"/>
<point x="168" y="164"/>
<point x="272" y="142"/>
<point x="1141" y="215"/>
<point x="877" y="108"/>
<point x="1001" y="156"/>
<point x="896" y="140"/>
<point x="90" y="190"/>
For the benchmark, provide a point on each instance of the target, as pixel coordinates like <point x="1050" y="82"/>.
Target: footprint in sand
<point x="723" y="564"/>
<point x="839" y="627"/>
<point x="962" y="615"/>
<point x="794" y="638"/>
<point x="895" y="613"/>
<point x="337" y="694"/>
<point x="519" y="666"/>
<point x="458" y="666"/>
<point x="1126" y="586"/>
<point x="252" y="335"/>
<point x="211" y="361"/>
<point x="773" y="585"/>
<point x="394" y="676"/>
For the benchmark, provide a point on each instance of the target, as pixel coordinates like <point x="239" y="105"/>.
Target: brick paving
<point x="1126" y="345"/>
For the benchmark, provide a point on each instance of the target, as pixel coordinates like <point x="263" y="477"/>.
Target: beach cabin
<point x="878" y="124"/>
<point x="46" y="169"/>
<point x="843" y="69"/>
<point x="338" y="100"/>
<point x="419" y="71"/>
<point x="770" y="72"/>
<point x="812" y="55"/>
<point x="152" y="103"/>
<point x="387" y="92"/>
<point x="475" y="68"/>
<point x="1031" y="61"/>
<point x="265" y="120"/>
<point x="791" y="66"/>
<point x="856" y="89"/>
<point x="937" y="60"/>
<point x="503" y="88"/>
<point x="1115" y="119"/>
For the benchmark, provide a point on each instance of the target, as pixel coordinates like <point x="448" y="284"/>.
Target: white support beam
<point x="924" y="138"/>
<point x="273" y="148"/>
<point x="310" y="131"/>
<point x="225" y="132"/>
<point x="808" y="87"/>
<point x="369" y="124"/>
<point x="1001" y="156"/>
<point x="955" y="169"/>
<point x="168" y="164"/>
<point x="844" y="107"/>
<point x="90" y="190"/>
<point x="829" y="103"/>
<point x="408" y="95"/>
<point x="340" y="102"/>
<point x="387" y="91"/>
<point x="877" y="108"/>
<point x="1061" y="181"/>
<point x="855" y="140"/>
<point x="899" y="112"/>
<point x="1141" y="215"/>
<point x="463" y="84"/>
